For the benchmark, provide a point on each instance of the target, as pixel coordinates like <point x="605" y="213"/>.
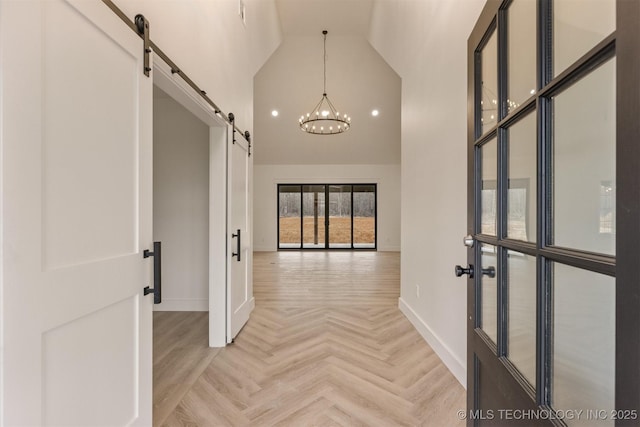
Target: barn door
<point x="240" y="300"/>
<point x="76" y="217"/>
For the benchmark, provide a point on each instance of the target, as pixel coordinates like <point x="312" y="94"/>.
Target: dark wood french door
<point x="554" y="213"/>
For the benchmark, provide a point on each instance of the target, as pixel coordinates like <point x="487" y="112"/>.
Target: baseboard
<point x="380" y="249"/>
<point x="456" y="366"/>
<point x="179" y="304"/>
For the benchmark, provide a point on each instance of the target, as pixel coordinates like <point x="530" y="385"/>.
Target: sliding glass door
<point x="289" y="212"/>
<point x="313" y="218"/>
<point x="327" y="216"/>
<point x="340" y="219"/>
<point x="364" y="216"/>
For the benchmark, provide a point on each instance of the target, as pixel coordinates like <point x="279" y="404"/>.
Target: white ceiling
<point x="338" y="17"/>
<point x="358" y="81"/>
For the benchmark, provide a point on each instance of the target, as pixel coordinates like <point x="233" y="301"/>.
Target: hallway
<point x="325" y="346"/>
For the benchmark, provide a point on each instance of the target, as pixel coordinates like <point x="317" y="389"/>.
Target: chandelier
<point x="324" y="119"/>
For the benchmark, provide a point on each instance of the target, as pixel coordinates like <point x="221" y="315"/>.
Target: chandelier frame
<point x="324" y="118"/>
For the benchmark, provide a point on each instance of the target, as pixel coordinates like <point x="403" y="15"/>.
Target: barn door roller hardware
<point x="247" y="136"/>
<point x="143" y="29"/>
<point x="232" y="120"/>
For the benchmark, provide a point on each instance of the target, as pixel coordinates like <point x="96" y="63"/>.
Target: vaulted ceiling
<point x="358" y="81"/>
<point x="339" y="17"/>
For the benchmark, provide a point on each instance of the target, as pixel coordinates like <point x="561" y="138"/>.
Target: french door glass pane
<point x="339" y="216"/>
<point x="488" y="192"/>
<point x="578" y="26"/>
<point x="521" y="335"/>
<point x="313" y="216"/>
<point x="489" y="289"/>
<point x="584" y="169"/>
<point x="521" y="45"/>
<point x="583" y="340"/>
<point x="489" y="84"/>
<point x="290" y="218"/>
<point x="364" y="216"/>
<point x="521" y="197"/>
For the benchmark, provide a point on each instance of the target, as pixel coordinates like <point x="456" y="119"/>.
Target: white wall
<point x="426" y="43"/>
<point x="208" y="41"/>
<point x="181" y="204"/>
<point x="266" y="178"/>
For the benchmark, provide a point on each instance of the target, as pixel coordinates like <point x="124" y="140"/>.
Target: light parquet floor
<point x="325" y="346"/>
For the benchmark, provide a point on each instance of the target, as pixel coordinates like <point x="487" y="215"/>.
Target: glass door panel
<point x="584" y="164"/>
<point x="340" y="222"/>
<point x="289" y="216"/>
<point x="489" y="286"/>
<point x="313" y="209"/>
<point x="521" y="314"/>
<point x="522" y="178"/>
<point x="583" y="341"/>
<point x="489" y="84"/>
<point x="364" y="216"/>
<point x="489" y="189"/>
<point x="521" y="54"/>
<point x="579" y="25"/>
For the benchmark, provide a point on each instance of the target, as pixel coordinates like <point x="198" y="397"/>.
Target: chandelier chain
<point x="324" y="58"/>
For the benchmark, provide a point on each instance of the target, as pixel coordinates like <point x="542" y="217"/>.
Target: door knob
<point x="468" y="240"/>
<point x="460" y="271"/>
<point x="489" y="271"/>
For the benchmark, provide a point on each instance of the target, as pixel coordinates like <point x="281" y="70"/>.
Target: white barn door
<point x="75" y="217"/>
<point x="240" y="300"/>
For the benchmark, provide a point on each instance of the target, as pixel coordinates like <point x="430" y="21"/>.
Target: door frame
<point x="184" y="94"/>
<point x="626" y="41"/>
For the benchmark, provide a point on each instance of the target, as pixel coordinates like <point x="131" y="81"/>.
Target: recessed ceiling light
<point x="274" y="113"/>
<point x="375" y="113"/>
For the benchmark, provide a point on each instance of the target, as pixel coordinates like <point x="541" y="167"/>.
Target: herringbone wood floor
<point x="325" y="346"/>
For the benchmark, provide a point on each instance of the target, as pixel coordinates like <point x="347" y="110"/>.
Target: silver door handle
<point x="468" y="240"/>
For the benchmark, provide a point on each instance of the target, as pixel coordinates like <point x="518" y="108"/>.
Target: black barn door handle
<point x="157" y="272"/>
<point x="238" y="245"/>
